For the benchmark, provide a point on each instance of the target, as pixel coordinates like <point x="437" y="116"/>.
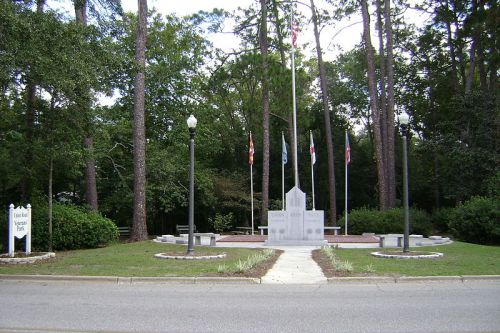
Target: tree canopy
<point x="55" y="74"/>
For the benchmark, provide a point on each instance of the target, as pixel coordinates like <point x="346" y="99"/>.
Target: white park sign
<point x="19" y="226"/>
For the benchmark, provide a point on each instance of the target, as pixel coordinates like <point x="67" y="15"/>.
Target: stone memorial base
<point x="296" y="226"/>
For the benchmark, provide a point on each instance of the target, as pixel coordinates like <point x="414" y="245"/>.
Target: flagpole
<point x="346" y="187"/>
<point x="251" y="152"/>
<point x="295" y="164"/>
<point x="283" y="171"/>
<point x="251" y="191"/>
<point x="312" y="169"/>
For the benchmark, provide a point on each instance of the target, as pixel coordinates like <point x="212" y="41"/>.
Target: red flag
<point x="312" y="150"/>
<point x="295" y="31"/>
<point x="347" y="150"/>
<point x="250" y="150"/>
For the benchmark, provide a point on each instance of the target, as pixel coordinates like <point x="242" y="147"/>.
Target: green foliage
<point x="73" y="228"/>
<point x="440" y="219"/>
<point x="389" y="221"/>
<point x="221" y="222"/>
<point x="477" y="221"/>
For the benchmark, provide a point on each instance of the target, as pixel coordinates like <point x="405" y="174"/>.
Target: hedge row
<point x="476" y="221"/>
<point x="72" y="228"/>
<point x="389" y="221"/>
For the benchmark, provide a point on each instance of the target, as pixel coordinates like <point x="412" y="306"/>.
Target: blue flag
<point x="284" y="154"/>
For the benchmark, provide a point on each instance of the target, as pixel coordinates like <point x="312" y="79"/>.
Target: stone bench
<point x="124" y="232"/>
<point x="184" y="228"/>
<point x="399" y="240"/>
<point x="335" y="229"/>
<point x="197" y="238"/>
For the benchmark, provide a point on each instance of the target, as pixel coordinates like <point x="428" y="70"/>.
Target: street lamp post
<point x="403" y="120"/>
<point x="191" y="122"/>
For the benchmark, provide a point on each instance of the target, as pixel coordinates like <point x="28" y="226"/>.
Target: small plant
<point x="329" y="252"/>
<point x="369" y="268"/>
<point x="221" y="223"/>
<point x="343" y="266"/>
<point x="253" y="260"/>
<point x="223" y="269"/>
<point x="242" y="266"/>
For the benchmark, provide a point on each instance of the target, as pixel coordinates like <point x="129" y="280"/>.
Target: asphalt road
<point x="106" y="307"/>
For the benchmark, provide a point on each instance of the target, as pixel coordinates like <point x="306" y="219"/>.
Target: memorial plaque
<point x="296" y="225"/>
<point x="20" y="221"/>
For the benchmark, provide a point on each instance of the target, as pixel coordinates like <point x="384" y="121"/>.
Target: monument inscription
<point x="296" y="225"/>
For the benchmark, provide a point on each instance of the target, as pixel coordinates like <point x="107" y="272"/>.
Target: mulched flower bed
<point x="258" y="271"/>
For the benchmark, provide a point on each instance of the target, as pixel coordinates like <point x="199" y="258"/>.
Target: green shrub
<point x="477" y="221"/>
<point x="440" y="219"/>
<point x="389" y="221"/>
<point x="221" y="223"/>
<point x="72" y="228"/>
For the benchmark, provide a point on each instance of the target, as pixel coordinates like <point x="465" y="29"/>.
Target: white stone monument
<point x="296" y="225"/>
<point x="19" y="226"/>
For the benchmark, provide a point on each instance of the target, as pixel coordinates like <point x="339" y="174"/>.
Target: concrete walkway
<point x="295" y="266"/>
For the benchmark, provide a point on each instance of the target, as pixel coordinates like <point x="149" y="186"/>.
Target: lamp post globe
<point x="404" y="120"/>
<point x="191" y="122"/>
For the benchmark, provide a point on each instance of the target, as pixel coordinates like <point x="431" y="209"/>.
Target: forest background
<point x="58" y="141"/>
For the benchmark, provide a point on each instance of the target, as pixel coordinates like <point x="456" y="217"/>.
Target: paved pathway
<point x="295" y="266"/>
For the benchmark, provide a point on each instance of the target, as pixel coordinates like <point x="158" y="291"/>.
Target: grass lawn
<point x="131" y="259"/>
<point x="459" y="259"/>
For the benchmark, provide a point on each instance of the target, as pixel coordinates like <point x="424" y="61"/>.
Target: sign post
<point x="19" y="226"/>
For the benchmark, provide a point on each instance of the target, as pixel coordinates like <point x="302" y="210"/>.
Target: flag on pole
<point x="295" y="31"/>
<point x="284" y="153"/>
<point x="250" y="150"/>
<point x="347" y="150"/>
<point x="312" y="150"/>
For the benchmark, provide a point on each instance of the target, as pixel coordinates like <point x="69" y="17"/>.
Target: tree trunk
<point x="265" y="112"/>
<point x="472" y="52"/>
<point x="328" y="126"/>
<point x="390" y="133"/>
<point x="451" y="46"/>
<point x="139" y="227"/>
<point x="88" y="141"/>
<point x="30" y="125"/>
<point x="372" y="87"/>
<point x="284" y="97"/>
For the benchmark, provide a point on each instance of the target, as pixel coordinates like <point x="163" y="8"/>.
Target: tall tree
<point x="263" y="42"/>
<point x="326" y="113"/>
<point x="382" y="99"/>
<point x="88" y="141"/>
<point x="139" y="227"/>
<point x="30" y="124"/>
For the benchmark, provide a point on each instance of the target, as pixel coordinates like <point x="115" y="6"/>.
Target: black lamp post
<point x="403" y="120"/>
<point x="191" y="122"/>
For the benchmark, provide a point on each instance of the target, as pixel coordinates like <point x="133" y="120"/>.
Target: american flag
<point x="250" y="150"/>
<point x="295" y="31"/>
<point x="347" y="150"/>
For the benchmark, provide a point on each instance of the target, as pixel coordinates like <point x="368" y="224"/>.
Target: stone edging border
<point x="186" y="257"/>
<point x="243" y="280"/>
<point x="431" y="255"/>
<point x="412" y="279"/>
<point x="26" y="260"/>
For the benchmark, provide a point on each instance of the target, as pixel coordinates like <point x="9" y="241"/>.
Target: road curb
<point x="133" y="280"/>
<point x="241" y="280"/>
